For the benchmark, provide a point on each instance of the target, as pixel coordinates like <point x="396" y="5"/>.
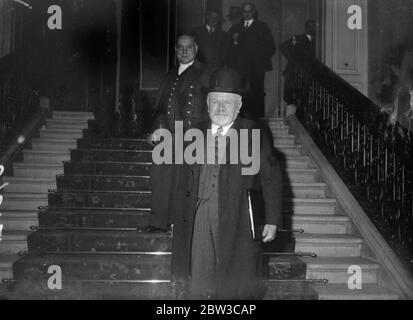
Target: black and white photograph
<point x="206" y="155"/>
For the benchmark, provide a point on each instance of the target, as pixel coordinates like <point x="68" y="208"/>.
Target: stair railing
<point x="373" y="157"/>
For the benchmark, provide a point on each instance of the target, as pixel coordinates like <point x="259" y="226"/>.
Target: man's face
<point x="186" y="50"/>
<point x="311" y="29"/>
<point x="248" y="12"/>
<point x="212" y="19"/>
<point x="223" y="107"/>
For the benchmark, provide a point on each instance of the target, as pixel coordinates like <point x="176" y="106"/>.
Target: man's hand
<point x="155" y="137"/>
<point x="269" y="233"/>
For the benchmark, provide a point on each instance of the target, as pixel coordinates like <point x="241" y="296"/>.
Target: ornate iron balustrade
<point x="373" y="157"/>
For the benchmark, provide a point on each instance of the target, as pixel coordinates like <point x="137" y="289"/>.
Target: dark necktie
<point x="218" y="135"/>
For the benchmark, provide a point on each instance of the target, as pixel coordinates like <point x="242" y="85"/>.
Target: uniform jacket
<point x="256" y="47"/>
<point x="190" y="106"/>
<point x="212" y="48"/>
<point x="239" y="256"/>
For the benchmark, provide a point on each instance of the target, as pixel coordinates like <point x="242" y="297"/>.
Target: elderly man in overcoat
<point x="180" y="98"/>
<point x="214" y="252"/>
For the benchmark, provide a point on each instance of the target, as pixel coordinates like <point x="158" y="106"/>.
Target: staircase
<point x="89" y="227"/>
<point x="28" y="188"/>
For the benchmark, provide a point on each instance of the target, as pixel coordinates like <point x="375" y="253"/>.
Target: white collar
<point x="309" y="37"/>
<point x="225" y="129"/>
<point x="209" y="28"/>
<point x="249" y="22"/>
<point x="183" y="67"/>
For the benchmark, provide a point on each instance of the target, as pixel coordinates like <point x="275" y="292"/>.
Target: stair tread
<point x="328" y="238"/>
<point x="25" y="195"/>
<point x="340" y="262"/>
<point x="18" y="214"/>
<point x="28" y="179"/>
<point x="38" y="165"/>
<point x="312" y="200"/>
<point x="19" y="235"/>
<point x="7" y="260"/>
<point x="321" y="218"/>
<point x="52" y="152"/>
<point x="61" y="130"/>
<point x="341" y="291"/>
<point x="54" y="140"/>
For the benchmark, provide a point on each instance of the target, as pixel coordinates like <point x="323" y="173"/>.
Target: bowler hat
<point x="226" y="80"/>
<point x="234" y="12"/>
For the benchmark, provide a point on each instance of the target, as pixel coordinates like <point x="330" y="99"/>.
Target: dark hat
<point x="234" y="12"/>
<point x="226" y="80"/>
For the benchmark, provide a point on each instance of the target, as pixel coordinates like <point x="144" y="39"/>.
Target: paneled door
<point x="346" y="49"/>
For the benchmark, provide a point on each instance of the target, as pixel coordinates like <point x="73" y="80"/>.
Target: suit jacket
<point x="256" y="47"/>
<point x="307" y="45"/>
<point x="239" y="255"/>
<point x="191" y="100"/>
<point x="212" y="48"/>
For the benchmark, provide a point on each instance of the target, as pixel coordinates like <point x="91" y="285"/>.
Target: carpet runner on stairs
<point x="88" y="229"/>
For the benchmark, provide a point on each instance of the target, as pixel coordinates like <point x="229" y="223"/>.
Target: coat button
<point x="188" y="194"/>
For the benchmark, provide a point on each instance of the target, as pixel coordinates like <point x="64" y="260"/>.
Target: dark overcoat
<point x="212" y="48"/>
<point x="239" y="256"/>
<point x="256" y="48"/>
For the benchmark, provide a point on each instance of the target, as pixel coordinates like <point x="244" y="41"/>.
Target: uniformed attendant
<point x="180" y="98"/>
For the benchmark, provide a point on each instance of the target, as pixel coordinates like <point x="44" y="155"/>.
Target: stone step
<point x="289" y="150"/>
<point x="126" y="267"/>
<point x="96" y="218"/>
<point x="67" y="183"/>
<point x="60" y="133"/>
<point x="289" y="291"/>
<point x="114" y="144"/>
<point x="95" y="266"/>
<point x="301" y="175"/>
<point x="53" y="144"/>
<point x="19" y="219"/>
<point x="280" y="132"/>
<point x="66" y="124"/>
<point x="298" y="170"/>
<point x="305" y="190"/>
<point x="335" y="270"/>
<point x="139" y="199"/>
<point x="321" y="224"/>
<point x="80" y="290"/>
<point x="29" y="185"/>
<point x="23" y="201"/>
<point x="6" y="265"/>
<point x="106" y="168"/>
<point x="13" y="241"/>
<point x="329" y="245"/>
<point x="49" y="157"/>
<point x="302" y="206"/>
<point x="68" y="115"/>
<point x="37" y="170"/>
<point x="111" y="155"/>
<point x="301" y="162"/>
<point x="98" y="241"/>
<point x="285" y="140"/>
<point x="342" y="292"/>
